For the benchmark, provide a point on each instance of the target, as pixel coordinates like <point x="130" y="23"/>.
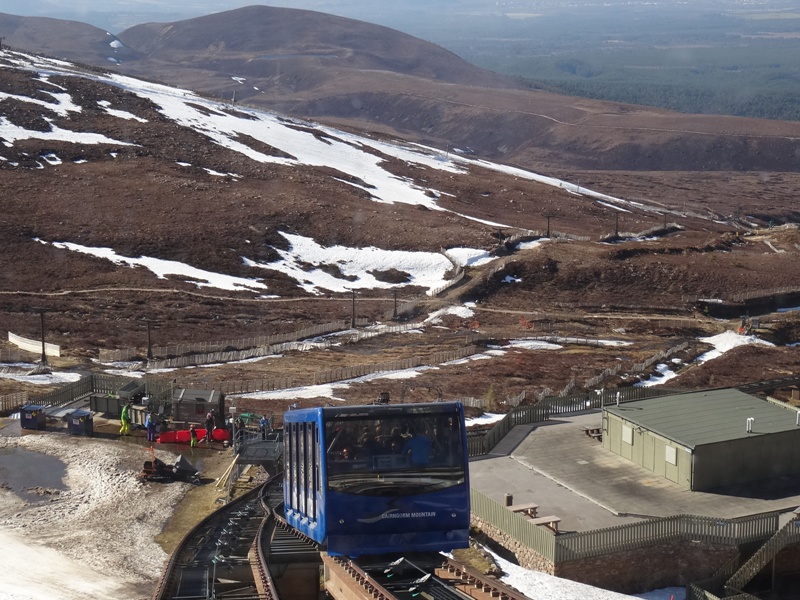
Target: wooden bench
<point x="595" y="433"/>
<point x="528" y="509"/>
<point x="551" y="522"/>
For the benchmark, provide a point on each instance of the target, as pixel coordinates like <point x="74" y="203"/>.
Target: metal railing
<point x="788" y="534"/>
<point x="513" y="524"/>
<point x="601" y="542"/>
<point x="711" y="530"/>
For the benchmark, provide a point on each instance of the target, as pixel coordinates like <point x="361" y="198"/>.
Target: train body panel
<point x="377" y="479"/>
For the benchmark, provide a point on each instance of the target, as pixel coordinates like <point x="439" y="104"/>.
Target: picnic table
<point x="528" y="509"/>
<point x="595" y="433"/>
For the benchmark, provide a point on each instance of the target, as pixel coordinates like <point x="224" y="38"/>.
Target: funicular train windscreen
<point x="401" y="454"/>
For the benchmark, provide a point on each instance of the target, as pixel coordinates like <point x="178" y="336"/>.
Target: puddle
<point x="22" y="469"/>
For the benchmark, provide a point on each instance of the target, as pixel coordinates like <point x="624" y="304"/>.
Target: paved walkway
<point x="568" y="474"/>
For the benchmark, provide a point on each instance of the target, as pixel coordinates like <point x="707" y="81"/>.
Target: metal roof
<point x="707" y="417"/>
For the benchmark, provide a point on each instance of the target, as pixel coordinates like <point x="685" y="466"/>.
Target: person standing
<point x="210" y="423"/>
<point x="150" y="426"/>
<point x="125" y="420"/>
<point x="193" y="436"/>
<point x="263" y="425"/>
<point x="418" y="448"/>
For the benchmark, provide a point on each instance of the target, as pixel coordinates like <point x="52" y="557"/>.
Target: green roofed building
<point x="705" y="440"/>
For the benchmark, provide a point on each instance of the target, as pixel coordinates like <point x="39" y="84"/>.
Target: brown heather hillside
<point x="140" y="201"/>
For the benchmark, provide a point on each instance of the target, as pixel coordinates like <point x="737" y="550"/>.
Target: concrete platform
<point x="569" y="474"/>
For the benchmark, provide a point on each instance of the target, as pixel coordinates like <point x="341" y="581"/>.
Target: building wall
<point x="747" y="459"/>
<point x="645" y="569"/>
<point x="526" y="556"/>
<point x="647" y="449"/>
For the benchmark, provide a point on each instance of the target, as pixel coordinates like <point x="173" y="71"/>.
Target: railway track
<point x="246" y="551"/>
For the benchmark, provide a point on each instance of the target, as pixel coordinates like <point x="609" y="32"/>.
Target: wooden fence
<point x="710" y="530"/>
<point x="558" y="405"/>
<point x="446" y="285"/>
<point x="88" y="384"/>
<point x="339" y="374"/>
<point x="639" y="367"/>
<point x="210" y="348"/>
<point x="12" y="402"/>
<point x="600" y="542"/>
<point x="17" y="355"/>
<point x="515" y="525"/>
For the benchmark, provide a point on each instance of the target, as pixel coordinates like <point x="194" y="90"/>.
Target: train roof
<point x="375" y="410"/>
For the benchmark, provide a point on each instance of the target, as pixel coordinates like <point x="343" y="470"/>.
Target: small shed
<point x="32" y="416"/>
<point x="706" y="440"/>
<point x="192" y="405"/>
<point x="80" y="422"/>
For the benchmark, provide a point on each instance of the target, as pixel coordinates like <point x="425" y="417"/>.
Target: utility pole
<point x="394" y="314"/>
<point x="149" y="342"/>
<point x="353" y="315"/>
<point x="44" y="354"/>
<point x="547" y="216"/>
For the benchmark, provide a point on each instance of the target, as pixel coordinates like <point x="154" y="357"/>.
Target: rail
<point x="788" y="534"/>
<point x="600" y="542"/>
<point x="188" y="555"/>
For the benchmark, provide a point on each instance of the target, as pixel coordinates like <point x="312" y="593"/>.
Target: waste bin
<point x="32" y="416"/>
<point x="80" y="422"/>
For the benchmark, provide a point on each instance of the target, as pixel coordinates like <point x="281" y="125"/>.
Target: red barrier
<point x="184" y="436"/>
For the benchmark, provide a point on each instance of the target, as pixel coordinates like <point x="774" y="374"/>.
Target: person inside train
<point x="418" y="448"/>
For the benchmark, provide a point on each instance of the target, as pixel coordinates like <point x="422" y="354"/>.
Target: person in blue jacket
<point x="150" y="426"/>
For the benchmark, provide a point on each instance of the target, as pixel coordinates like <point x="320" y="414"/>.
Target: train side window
<point x="308" y="481"/>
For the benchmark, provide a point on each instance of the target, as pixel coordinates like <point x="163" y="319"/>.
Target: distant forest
<point x="730" y="58"/>
<point x="747" y="82"/>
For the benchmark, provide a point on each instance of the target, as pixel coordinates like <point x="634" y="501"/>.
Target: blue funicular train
<point x="378" y="479"/>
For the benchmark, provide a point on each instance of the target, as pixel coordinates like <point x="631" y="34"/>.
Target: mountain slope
<point x="260" y="40"/>
<point x="125" y="200"/>
<point x="70" y="40"/>
<point x="352" y="74"/>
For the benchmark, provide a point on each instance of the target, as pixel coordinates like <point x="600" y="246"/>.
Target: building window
<point x="627" y="435"/>
<point x="671" y="455"/>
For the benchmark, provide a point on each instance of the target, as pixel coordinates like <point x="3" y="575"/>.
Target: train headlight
<point x="341" y="521"/>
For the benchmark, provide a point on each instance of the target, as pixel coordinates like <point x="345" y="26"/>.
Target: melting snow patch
<point x="484" y="419"/>
<point x="460" y="311"/>
<point x="533" y="345"/>
<point x="355" y="266"/>
<point x="218" y="174"/>
<point x="162" y="268"/>
<point x="44" y="379"/>
<point x="11" y="133"/>
<point x="510" y="279"/>
<point x="728" y="341"/>
<point x="665" y="374"/>
<point x="120" y="114"/>
<point x="532" y="244"/>
<point x="51" y="159"/>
